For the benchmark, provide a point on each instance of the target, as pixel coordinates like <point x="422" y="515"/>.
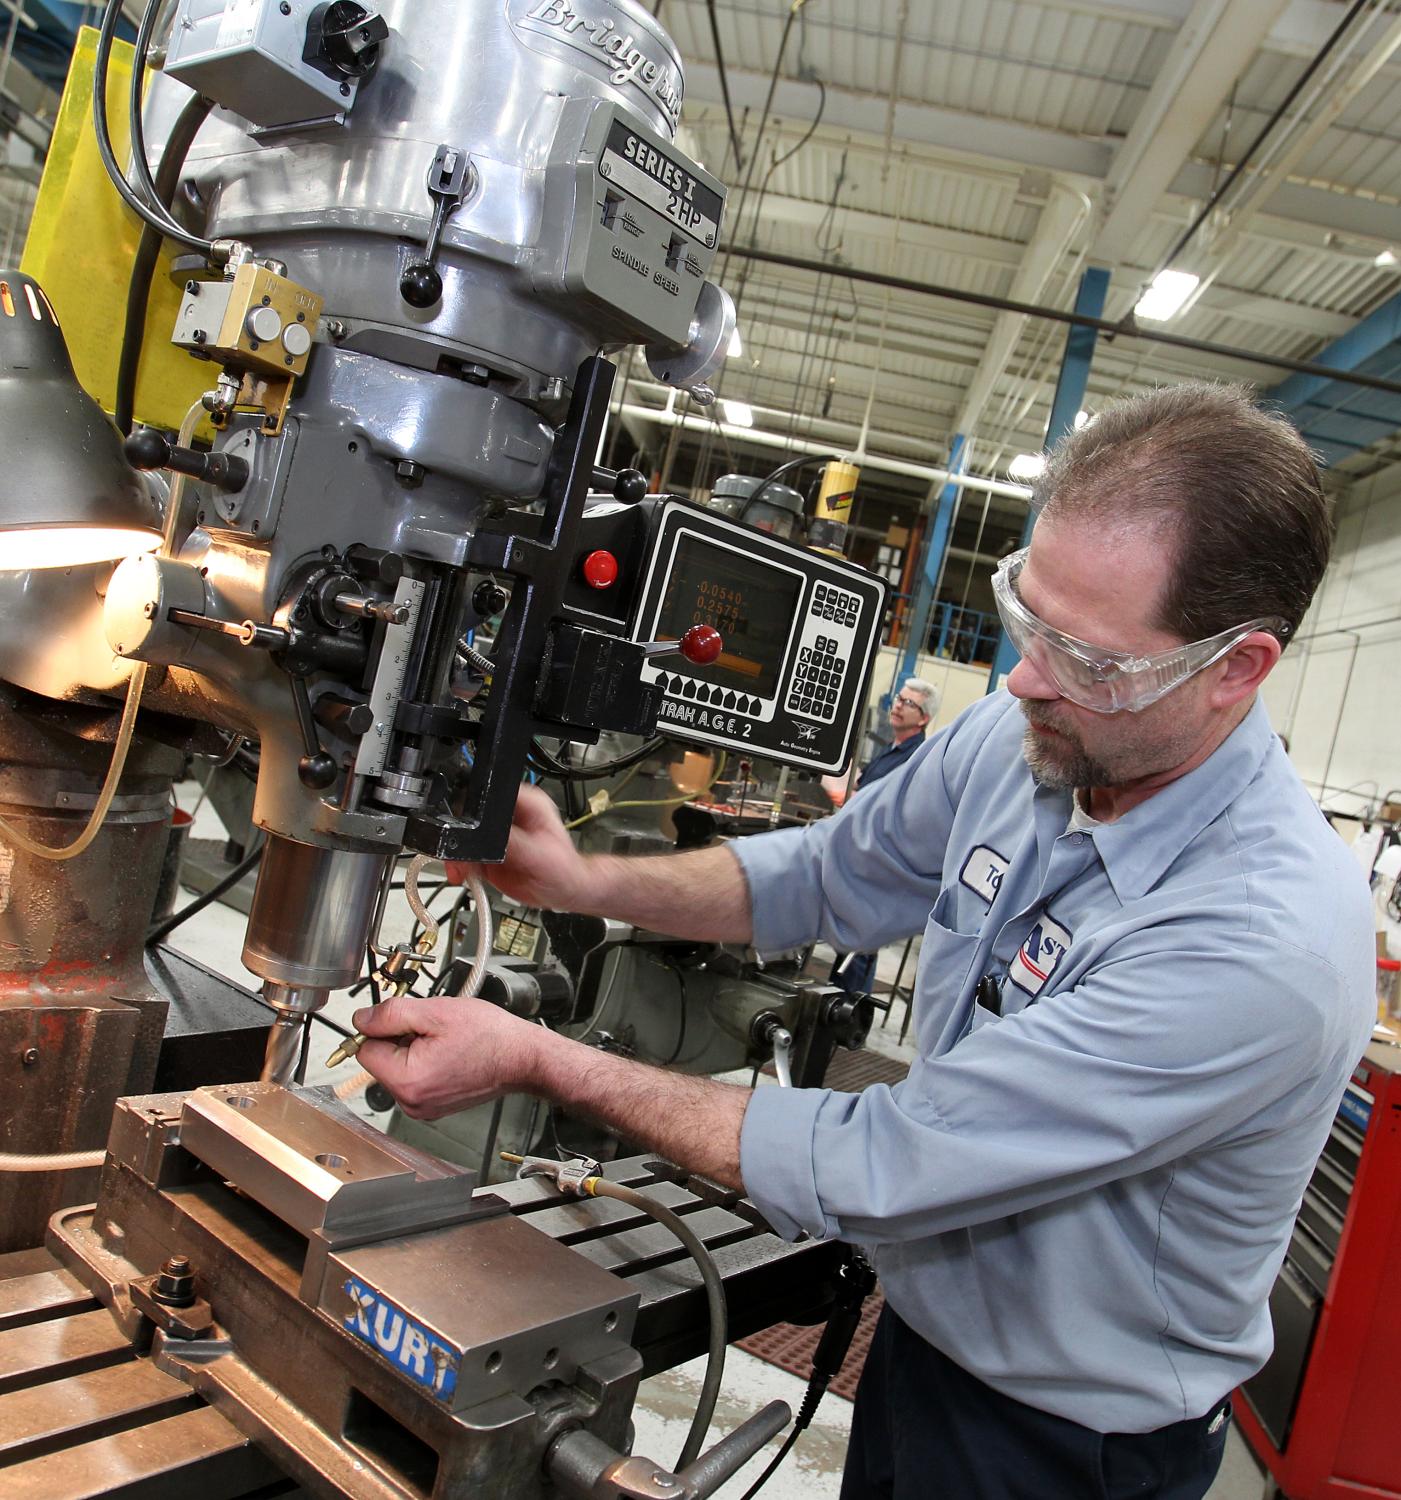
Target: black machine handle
<point x="148" y="449"/>
<point x="449" y="182"/>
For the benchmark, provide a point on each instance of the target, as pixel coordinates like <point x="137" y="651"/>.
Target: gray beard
<point x="1064" y="772"/>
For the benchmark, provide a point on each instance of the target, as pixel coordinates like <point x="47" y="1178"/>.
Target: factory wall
<point x="1336" y="693"/>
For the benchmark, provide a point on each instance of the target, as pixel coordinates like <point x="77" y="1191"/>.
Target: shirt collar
<point x="1137" y="849"/>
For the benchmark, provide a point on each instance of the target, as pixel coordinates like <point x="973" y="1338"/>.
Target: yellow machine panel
<point x="82" y="239"/>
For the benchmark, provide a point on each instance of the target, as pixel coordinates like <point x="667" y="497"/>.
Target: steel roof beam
<point x="1011" y="145"/>
<point x="1214" y="46"/>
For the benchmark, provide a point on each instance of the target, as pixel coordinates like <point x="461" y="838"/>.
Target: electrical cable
<point x="785" y="468"/>
<point x="162" y="221"/>
<point x="221" y="887"/>
<point x="1071" y="319"/>
<point x="778" y="1458"/>
<point x="651" y="801"/>
<point x="681" y="1030"/>
<point x="145" y="184"/>
<point x="738" y="220"/>
<point x="855" y="1282"/>
<point x="792" y="151"/>
<point x="547" y="764"/>
<point x="143" y="266"/>
<point x="724" y="85"/>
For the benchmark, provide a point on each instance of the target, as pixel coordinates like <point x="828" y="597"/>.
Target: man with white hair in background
<point x="1147" y="973"/>
<point x="911" y="711"/>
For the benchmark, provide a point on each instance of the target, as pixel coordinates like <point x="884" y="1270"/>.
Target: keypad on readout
<point x="822" y="659"/>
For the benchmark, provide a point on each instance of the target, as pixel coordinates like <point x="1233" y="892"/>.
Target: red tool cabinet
<point x="1324" y="1415"/>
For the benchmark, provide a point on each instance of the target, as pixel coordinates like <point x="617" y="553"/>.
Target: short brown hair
<point x="1235" y="485"/>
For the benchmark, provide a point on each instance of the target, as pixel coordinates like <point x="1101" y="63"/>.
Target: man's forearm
<point x="694" y="1122"/>
<point x="701" y="894"/>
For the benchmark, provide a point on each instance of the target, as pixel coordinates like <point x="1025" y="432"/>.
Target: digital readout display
<point x="752" y="604"/>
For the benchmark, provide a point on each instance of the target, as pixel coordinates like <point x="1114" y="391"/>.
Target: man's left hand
<point x="440" y="1055"/>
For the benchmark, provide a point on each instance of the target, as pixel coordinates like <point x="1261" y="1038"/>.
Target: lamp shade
<point x="67" y="494"/>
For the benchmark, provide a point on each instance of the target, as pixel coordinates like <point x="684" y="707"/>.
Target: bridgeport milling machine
<point x="408" y="235"/>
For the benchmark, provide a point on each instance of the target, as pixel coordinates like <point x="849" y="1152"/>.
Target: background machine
<point x="406" y="235"/>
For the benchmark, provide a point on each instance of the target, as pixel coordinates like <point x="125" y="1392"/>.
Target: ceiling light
<point x="736" y="345"/>
<point x="1027" y="465"/>
<point x="1385" y="257"/>
<point x="1164" y="298"/>
<point x="738" y="413"/>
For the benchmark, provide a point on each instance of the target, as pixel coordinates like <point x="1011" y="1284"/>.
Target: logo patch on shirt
<point x="1039" y="955"/>
<point x="982" y="872"/>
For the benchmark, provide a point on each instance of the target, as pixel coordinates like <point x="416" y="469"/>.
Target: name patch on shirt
<point x="982" y="872"/>
<point x="1039" y="955"/>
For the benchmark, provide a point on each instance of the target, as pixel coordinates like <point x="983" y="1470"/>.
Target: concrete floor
<point x="662" y="1416"/>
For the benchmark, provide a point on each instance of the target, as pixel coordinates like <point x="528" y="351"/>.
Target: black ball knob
<point x="379" y="1098"/>
<point x="316" y="771"/>
<point x="630" y="486"/>
<point x="147" y="449"/>
<point x="420" y="285"/>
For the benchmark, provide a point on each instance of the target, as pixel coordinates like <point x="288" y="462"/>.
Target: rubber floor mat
<point x="853" y="1071"/>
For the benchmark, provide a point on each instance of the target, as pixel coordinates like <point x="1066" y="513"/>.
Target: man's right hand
<point x="700" y="894"/>
<point x="542" y="867"/>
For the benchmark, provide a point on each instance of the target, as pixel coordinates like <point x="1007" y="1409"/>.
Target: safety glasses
<point x="1106" y="682"/>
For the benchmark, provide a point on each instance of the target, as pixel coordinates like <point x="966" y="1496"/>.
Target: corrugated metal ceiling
<point x="950" y="188"/>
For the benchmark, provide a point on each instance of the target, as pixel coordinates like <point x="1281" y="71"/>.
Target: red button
<point x="701" y="645"/>
<point x="600" y="570"/>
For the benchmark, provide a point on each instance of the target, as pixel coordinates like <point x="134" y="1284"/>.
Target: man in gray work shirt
<point x="1146" y="976"/>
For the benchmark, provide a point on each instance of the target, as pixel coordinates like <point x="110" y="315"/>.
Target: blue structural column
<point x="936" y="544"/>
<point x="1068" y="401"/>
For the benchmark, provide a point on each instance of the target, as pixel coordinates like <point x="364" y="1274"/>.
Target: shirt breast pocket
<point x="946" y="957"/>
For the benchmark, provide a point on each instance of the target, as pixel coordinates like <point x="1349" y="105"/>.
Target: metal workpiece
<point x="320" y="1169"/>
<point x="311" y="915"/>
